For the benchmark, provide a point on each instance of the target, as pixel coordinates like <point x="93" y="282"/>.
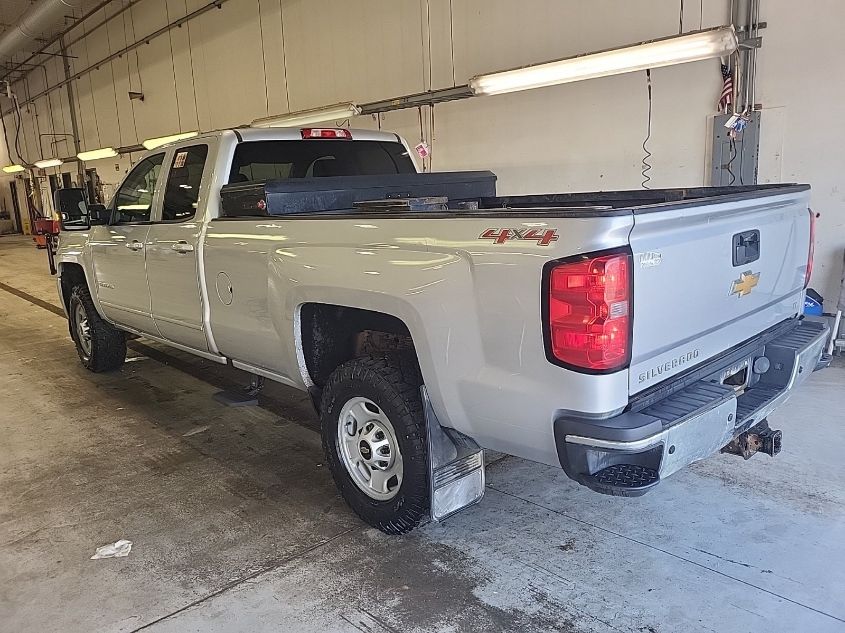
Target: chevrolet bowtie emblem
<point x="745" y="284"/>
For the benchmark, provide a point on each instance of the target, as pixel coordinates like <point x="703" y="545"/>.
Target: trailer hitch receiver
<point x="758" y="439"/>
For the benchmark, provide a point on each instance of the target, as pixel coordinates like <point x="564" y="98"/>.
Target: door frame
<point x="103" y="237"/>
<point x="184" y="330"/>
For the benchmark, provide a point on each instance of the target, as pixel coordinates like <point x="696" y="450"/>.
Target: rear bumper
<point x="630" y="453"/>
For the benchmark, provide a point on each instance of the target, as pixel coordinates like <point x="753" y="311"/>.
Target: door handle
<point x="182" y="247"/>
<point x="135" y="245"/>
<point x="746" y="247"/>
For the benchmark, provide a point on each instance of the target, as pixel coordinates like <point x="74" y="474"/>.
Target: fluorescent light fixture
<point x="13" y="169"/>
<point x="307" y="117"/>
<point x="678" y="49"/>
<point x="48" y="162"/>
<point x="96" y="154"/>
<point x="152" y="143"/>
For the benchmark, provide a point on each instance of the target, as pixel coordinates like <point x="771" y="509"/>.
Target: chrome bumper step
<point x="624" y="480"/>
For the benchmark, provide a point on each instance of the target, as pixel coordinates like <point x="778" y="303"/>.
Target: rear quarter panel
<point x="472" y="307"/>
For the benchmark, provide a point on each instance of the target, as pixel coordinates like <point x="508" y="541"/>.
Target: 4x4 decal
<point x="543" y="237"/>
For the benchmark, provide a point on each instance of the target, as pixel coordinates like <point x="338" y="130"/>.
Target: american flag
<point x="726" y="98"/>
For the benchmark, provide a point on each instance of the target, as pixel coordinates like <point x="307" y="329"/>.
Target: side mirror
<point x="72" y="209"/>
<point x="99" y="214"/>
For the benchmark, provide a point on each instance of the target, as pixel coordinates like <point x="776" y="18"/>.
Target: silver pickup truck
<point x="618" y="335"/>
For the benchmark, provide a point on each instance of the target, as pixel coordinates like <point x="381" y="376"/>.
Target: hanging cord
<point x="730" y="162"/>
<point x="681" y="18"/>
<point x="34" y="212"/>
<point x="647" y="154"/>
<point x="18" y="125"/>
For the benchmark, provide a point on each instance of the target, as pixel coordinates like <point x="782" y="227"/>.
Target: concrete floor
<point x="236" y="524"/>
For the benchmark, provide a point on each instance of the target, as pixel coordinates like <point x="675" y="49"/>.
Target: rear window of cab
<point x="271" y="160"/>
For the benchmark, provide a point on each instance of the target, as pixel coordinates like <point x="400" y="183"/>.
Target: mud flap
<point x="455" y="466"/>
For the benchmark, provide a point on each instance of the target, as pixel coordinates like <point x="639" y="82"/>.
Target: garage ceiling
<point x="12" y="10"/>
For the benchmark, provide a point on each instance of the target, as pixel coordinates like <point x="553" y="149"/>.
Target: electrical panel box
<point x="734" y="160"/>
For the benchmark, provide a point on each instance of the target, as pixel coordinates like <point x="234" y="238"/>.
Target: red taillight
<point x="810" y="253"/>
<point x="324" y="132"/>
<point x="589" y="312"/>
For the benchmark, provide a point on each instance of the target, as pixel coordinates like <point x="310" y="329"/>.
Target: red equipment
<point x="47" y="236"/>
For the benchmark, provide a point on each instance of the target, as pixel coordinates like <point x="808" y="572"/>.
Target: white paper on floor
<point x="195" y="431"/>
<point x="113" y="550"/>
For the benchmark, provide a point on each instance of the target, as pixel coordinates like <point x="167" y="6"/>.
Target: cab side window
<point x="183" y="184"/>
<point x="134" y="199"/>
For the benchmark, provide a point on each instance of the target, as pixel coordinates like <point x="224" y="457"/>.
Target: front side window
<point x="134" y="199"/>
<point x="183" y="183"/>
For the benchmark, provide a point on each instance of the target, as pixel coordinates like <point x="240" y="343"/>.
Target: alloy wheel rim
<point x="83" y="330"/>
<point x="369" y="448"/>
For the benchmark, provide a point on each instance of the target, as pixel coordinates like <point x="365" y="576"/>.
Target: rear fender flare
<point x="434" y="302"/>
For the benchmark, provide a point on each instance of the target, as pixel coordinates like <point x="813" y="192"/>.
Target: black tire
<point x="107" y="343"/>
<point x="393" y="383"/>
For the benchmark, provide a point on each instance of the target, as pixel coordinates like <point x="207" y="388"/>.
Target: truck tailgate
<point x="711" y="274"/>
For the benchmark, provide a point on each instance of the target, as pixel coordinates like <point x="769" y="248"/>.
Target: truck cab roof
<point x="295" y="133"/>
<point x="278" y="134"/>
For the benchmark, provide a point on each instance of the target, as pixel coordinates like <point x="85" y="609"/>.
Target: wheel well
<point x="333" y="334"/>
<point x="71" y="275"/>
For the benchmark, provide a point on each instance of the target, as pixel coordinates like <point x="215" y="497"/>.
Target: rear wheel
<point x="373" y="430"/>
<point x="100" y="345"/>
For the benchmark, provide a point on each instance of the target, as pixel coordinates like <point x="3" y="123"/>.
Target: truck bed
<point x="465" y="193"/>
<point x="471" y="288"/>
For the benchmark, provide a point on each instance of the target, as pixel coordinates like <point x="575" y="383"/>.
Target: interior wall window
<point x="183" y="183"/>
<point x="134" y="199"/>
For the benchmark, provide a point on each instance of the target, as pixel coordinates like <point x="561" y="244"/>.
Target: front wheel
<point x="373" y="430"/>
<point x="100" y="345"/>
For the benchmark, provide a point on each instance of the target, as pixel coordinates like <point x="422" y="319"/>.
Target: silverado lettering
<point x="669" y="365"/>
